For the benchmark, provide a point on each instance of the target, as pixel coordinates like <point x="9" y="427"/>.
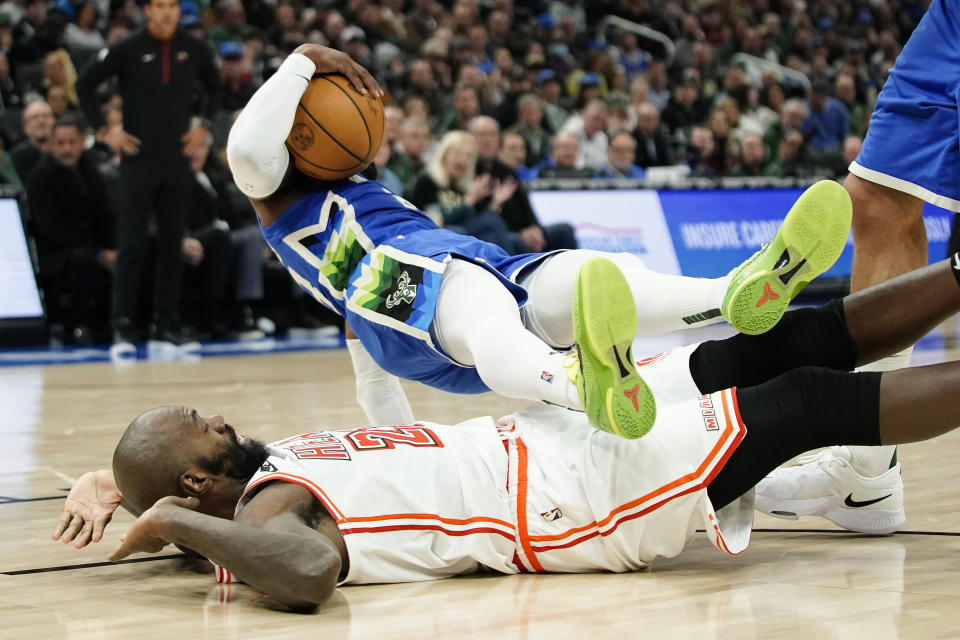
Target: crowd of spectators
<point x="482" y="95"/>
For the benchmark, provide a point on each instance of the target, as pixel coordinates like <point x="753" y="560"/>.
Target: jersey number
<point x="370" y="438"/>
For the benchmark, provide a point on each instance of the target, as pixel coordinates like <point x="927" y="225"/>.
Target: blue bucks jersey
<point x="374" y="259"/>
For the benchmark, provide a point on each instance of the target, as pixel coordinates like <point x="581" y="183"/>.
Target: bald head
<point x="173" y="451"/>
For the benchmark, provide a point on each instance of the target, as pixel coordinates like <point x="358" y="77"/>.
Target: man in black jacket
<point x="74" y="225"/>
<point x="516" y="212"/>
<point x="170" y="87"/>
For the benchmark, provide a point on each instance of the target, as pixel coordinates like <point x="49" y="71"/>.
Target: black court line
<point x="854" y="533"/>
<point x="89" y="565"/>
<point x="6" y="500"/>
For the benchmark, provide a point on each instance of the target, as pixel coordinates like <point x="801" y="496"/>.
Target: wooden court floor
<point x="797" y="580"/>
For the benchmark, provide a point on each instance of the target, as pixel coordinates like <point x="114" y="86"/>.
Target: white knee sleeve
<point x="379" y="393"/>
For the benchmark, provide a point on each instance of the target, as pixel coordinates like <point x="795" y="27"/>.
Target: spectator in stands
<point x="385" y="175"/>
<point x="513" y="153"/>
<point x="393" y="126"/>
<point x="653" y="145"/>
<point x="530" y="126"/>
<point x="845" y="89"/>
<point x="466" y="106"/>
<point x="659" y="92"/>
<point x="631" y="57"/>
<point x="238" y="83"/>
<point x="725" y="145"/>
<point x="421" y="83"/>
<point x="589" y="126"/>
<point x="828" y="122"/>
<point x="451" y="194"/>
<point x="620" y="155"/>
<point x="59" y="72"/>
<point x="752" y="161"/>
<point x="793" y="115"/>
<point x="229" y="264"/>
<point x="701" y="156"/>
<point x="411" y="158"/>
<point x="56" y="97"/>
<point x="679" y="114"/>
<point x="549" y="91"/>
<point x="82" y="39"/>
<point x="171" y="88"/>
<point x="563" y="162"/>
<point x="790" y="156"/>
<point x="10" y="97"/>
<point x="38" y="128"/>
<point x="75" y="230"/>
<point x="516" y="211"/>
<point x="231" y="25"/>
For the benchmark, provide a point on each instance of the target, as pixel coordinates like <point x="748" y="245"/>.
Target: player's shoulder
<point x="271" y="499"/>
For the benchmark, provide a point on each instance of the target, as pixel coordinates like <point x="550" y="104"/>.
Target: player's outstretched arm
<point x="89" y="507"/>
<point x="279" y="544"/>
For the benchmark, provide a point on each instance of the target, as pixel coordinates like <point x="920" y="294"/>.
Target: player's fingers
<point x="75" y="525"/>
<point x="98" y="526"/>
<point x="84" y="538"/>
<point x="62" y="525"/>
<point x="350" y="70"/>
<point x="370" y="82"/>
<point x="121" y="552"/>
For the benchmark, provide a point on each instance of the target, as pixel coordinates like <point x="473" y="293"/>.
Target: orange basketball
<point x="337" y="130"/>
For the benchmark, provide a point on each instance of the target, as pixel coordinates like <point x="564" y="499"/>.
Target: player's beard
<point x="239" y="461"/>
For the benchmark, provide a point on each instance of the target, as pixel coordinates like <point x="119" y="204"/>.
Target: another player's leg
<point x="889" y="239"/>
<point x="869" y="325"/>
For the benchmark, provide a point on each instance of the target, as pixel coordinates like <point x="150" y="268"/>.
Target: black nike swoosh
<point x="850" y="502"/>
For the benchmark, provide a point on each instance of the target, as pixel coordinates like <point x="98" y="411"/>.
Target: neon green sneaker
<point x="808" y="242"/>
<point x="614" y="396"/>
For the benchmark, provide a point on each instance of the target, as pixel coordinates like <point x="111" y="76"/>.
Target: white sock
<point x="874" y="461"/>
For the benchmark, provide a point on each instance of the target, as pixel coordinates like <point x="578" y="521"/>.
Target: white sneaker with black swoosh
<point x="825" y="484"/>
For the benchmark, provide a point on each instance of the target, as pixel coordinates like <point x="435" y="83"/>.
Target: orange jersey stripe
<point x="718" y="448"/>
<point x="522" y="506"/>
<point x="428" y="516"/>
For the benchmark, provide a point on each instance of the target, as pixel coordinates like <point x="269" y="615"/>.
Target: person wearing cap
<point x="237" y="81"/>
<point x="170" y="87"/>
<point x="549" y="91"/>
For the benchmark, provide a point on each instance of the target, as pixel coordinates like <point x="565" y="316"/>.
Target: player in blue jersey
<point x="911" y="154"/>
<point x="461" y="315"/>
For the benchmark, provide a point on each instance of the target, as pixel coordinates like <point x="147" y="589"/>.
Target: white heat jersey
<point x="540" y="490"/>
<point x="413" y="502"/>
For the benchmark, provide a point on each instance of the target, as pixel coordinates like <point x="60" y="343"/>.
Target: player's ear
<point x="195" y="482"/>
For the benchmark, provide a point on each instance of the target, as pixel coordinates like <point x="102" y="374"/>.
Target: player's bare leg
<point x="889" y="239"/>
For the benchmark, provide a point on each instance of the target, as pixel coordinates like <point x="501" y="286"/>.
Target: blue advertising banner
<point x="709" y="231"/>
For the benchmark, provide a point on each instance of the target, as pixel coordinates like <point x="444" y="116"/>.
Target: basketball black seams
<point x="338" y="143"/>
<point x="366" y="128"/>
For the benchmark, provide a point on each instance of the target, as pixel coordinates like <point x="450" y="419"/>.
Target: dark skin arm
<point x="327" y="61"/>
<point x="283" y="542"/>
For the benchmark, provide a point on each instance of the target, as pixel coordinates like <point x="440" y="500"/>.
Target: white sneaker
<point x="825" y="484"/>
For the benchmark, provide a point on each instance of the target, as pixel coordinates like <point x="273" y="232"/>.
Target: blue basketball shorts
<point x="913" y="143"/>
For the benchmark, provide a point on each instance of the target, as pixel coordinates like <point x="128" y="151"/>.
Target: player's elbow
<point x="256" y="173"/>
<point x="315" y="583"/>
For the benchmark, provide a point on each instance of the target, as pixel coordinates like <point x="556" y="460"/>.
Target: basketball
<point x="337" y="130"/>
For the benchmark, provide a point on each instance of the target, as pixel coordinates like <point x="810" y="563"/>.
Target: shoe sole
<point x="811" y="239"/>
<point x="873" y="521"/>
<point x="604" y="326"/>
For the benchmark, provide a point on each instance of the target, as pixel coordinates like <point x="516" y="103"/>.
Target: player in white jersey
<point x="540" y="490"/>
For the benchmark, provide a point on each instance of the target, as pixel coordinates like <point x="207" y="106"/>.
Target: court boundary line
<point x="90" y="565"/>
